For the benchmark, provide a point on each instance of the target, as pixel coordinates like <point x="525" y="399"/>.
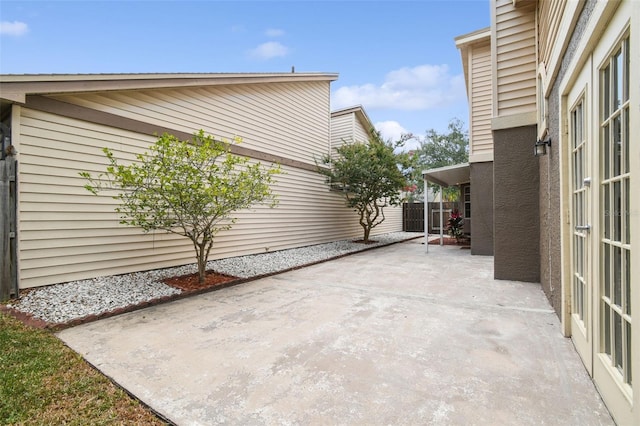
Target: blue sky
<point x="396" y="58"/>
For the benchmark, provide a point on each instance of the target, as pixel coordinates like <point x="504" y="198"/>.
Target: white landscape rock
<point x="61" y="303"/>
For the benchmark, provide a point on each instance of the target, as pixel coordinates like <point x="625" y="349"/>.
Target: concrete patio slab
<point x="389" y="336"/>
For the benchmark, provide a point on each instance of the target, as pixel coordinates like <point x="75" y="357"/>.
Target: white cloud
<point x="390" y="130"/>
<point x="271" y="49"/>
<point x="14" y="28"/>
<point x="274" y="32"/>
<point x="410" y="89"/>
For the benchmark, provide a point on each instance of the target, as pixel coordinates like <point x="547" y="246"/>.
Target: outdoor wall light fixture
<point x="540" y="148"/>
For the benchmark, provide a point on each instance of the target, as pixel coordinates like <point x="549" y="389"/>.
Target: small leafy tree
<point x="370" y="177"/>
<point x="189" y="188"/>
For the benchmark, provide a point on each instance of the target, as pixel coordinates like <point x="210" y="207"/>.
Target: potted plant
<point x="455" y="225"/>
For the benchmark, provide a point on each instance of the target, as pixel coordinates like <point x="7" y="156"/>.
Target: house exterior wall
<point x="65" y="233"/>
<point x="513" y="41"/>
<point x="515" y="169"/>
<point x="480" y="104"/>
<point x="550" y="191"/>
<point x="482" y="208"/>
<point x="516" y="205"/>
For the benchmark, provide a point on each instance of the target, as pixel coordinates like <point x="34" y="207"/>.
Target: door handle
<point x="583" y="228"/>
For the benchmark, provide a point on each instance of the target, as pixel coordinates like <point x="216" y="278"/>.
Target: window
<point x="467" y="202"/>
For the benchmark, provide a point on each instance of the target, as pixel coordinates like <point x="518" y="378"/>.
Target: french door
<point x="582" y="278"/>
<point x="599" y="147"/>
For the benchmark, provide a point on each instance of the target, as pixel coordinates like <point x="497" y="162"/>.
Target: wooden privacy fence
<point x="413" y="216"/>
<point x="8" y="272"/>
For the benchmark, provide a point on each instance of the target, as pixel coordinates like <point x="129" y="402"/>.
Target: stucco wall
<point x="482" y="208"/>
<point x="550" y="216"/>
<point x="516" y="205"/>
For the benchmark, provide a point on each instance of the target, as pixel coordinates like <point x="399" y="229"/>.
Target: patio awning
<point x="448" y="175"/>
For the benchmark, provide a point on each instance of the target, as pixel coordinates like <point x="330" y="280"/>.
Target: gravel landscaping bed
<point x="61" y="303"/>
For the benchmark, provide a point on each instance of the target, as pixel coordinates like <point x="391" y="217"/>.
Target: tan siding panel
<point x="341" y="130"/>
<point x="515" y="57"/>
<point x="360" y="133"/>
<point x="481" y="100"/>
<point x="549" y="17"/>
<point x="67" y="234"/>
<point x="287" y="119"/>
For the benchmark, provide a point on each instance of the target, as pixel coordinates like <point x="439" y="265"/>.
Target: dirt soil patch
<point x="189" y="283"/>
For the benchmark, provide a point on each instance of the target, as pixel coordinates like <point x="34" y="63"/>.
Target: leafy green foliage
<point x="439" y="150"/>
<point x="190" y="188"/>
<point x="370" y="177"/>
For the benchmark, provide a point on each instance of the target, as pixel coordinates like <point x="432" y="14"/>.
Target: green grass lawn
<point x="44" y="382"/>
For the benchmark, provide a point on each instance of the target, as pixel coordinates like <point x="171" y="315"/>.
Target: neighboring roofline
<point x="359" y="111"/>
<point x="15" y="87"/>
<point x="473" y="37"/>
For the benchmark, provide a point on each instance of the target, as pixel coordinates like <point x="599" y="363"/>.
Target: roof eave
<point x="16" y="87"/>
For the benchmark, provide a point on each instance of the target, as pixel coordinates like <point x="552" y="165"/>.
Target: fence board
<point x="8" y="273"/>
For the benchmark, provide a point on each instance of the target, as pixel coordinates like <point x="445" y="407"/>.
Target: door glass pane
<point x="626" y="141"/>
<point x="617" y="145"/>
<point x="617" y="338"/>
<point x="606" y="151"/>
<point x="626" y="216"/>
<point x="606" y="329"/>
<point x="617" y="276"/>
<point x="607" y="211"/>
<point x="579" y="136"/>
<point x="606" y="279"/>
<point x="628" y="344"/>
<point x="627" y="280"/>
<point x="580" y="250"/>
<point x="577" y="297"/>
<point x="606" y="95"/>
<point x="626" y="69"/>
<point x="617" y="80"/>
<point x="617" y="206"/>
<point x="574" y="126"/>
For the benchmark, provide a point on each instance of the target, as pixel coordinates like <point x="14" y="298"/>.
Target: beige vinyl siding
<point x="549" y="17"/>
<point x="360" y="133"/>
<point x="347" y="128"/>
<point x="515" y="58"/>
<point x="342" y="131"/>
<point x="68" y="234"/>
<point x="481" y="138"/>
<point x="286" y="119"/>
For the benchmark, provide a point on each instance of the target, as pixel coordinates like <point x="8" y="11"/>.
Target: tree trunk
<point x="367" y="231"/>
<point x="202" y="262"/>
